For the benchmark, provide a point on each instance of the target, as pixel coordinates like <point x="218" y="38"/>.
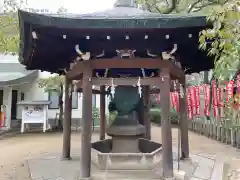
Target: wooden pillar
<point x="184" y="125"/>
<point x="146" y="101"/>
<point x="85" y="155"/>
<point x="141" y="114"/>
<point x="66" y="153"/>
<point x="167" y="158"/>
<point x="102" y="113"/>
<point x="205" y="77"/>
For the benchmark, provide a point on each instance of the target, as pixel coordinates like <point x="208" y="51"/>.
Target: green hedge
<point x="155" y="116"/>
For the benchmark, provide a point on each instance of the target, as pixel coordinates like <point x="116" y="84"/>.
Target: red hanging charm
<point x="221" y="102"/>
<point x="238" y="83"/>
<point x="238" y="91"/>
<point x="172" y="99"/>
<point x="229" y="90"/>
<point x="177" y="101"/>
<point x="206" y="90"/>
<point x="214" y="99"/>
<point x="193" y="100"/>
<point x="189" y="104"/>
<point x="197" y="97"/>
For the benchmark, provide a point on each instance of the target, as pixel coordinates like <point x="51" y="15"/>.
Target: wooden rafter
<point x="125" y="81"/>
<point x="148" y="63"/>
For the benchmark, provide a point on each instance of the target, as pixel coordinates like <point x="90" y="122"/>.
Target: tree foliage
<point x="52" y="83"/>
<point x="179" y="6"/>
<point x="9" y="30"/>
<point x="9" y="36"/>
<point x="223" y="39"/>
<point x="55" y="84"/>
<point x="62" y="10"/>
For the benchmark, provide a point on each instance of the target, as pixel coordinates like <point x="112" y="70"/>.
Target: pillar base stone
<point x="88" y="178"/>
<point x="185" y="158"/>
<point x="66" y="158"/>
<point x="180" y="175"/>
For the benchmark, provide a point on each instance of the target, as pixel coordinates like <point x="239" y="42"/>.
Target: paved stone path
<point x="198" y="168"/>
<point x="15" y="151"/>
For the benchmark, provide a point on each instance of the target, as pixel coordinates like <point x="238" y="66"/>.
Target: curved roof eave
<point x="27" y="77"/>
<point x="114" y="18"/>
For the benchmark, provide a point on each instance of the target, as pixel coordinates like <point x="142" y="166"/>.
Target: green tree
<point x="62" y="10"/>
<point x="9" y="30"/>
<point x="55" y="84"/>
<point x="9" y="36"/>
<point x="223" y="40"/>
<point x="179" y="6"/>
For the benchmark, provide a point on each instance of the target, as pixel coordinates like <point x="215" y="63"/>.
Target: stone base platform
<point x="51" y="167"/>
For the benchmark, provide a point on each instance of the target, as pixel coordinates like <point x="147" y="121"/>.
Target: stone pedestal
<point x="125" y="138"/>
<point x="125" y="145"/>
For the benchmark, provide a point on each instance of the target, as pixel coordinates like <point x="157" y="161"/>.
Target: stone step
<point x="10" y="133"/>
<point x="132" y="175"/>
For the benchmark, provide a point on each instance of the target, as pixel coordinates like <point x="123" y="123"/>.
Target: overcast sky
<point x="73" y="6"/>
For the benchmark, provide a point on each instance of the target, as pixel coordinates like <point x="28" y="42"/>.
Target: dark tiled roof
<point x="117" y="17"/>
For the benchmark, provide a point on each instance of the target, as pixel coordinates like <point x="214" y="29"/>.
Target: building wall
<point x="32" y="92"/>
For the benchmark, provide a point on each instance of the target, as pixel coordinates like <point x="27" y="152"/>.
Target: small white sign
<point x="33" y="114"/>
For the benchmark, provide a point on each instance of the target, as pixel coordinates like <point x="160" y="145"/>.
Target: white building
<point x="18" y="84"/>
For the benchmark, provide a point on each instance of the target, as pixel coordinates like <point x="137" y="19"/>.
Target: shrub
<point x="95" y="115"/>
<point x="155" y="116"/>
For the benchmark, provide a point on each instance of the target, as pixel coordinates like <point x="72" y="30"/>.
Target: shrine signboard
<point x="34" y="112"/>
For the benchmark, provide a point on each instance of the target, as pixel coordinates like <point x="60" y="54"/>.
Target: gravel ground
<point x="14" y="151"/>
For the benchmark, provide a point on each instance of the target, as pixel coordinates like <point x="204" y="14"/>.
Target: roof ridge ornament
<point x="126" y="3"/>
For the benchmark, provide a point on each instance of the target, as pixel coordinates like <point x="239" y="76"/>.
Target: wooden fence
<point x="228" y="133"/>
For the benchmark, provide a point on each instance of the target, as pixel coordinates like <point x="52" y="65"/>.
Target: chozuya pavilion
<point x="125" y="51"/>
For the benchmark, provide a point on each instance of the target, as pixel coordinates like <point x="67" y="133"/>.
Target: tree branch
<point x="170" y="8"/>
<point x="199" y="8"/>
<point x="193" y="6"/>
<point x="203" y="5"/>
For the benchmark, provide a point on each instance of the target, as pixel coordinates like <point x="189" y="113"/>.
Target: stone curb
<point x="218" y="170"/>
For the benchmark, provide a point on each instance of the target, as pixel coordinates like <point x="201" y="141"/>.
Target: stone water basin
<point x="148" y="158"/>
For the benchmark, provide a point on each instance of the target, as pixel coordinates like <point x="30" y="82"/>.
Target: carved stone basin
<point x="148" y="157"/>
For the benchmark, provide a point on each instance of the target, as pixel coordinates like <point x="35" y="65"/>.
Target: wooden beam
<point x="86" y="133"/>
<point x="177" y="73"/>
<point x="148" y="63"/>
<point x="155" y="90"/>
<point x="125" y="81"/>
<point x="76" y="70"/>
<point x="102" y="113"/>
<point x="184" y="125"/>
<point x="167" y="157"/>
<point x="94" y="91"/>
<point x="146" y="101"/>
<point x="79" y="88"/>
